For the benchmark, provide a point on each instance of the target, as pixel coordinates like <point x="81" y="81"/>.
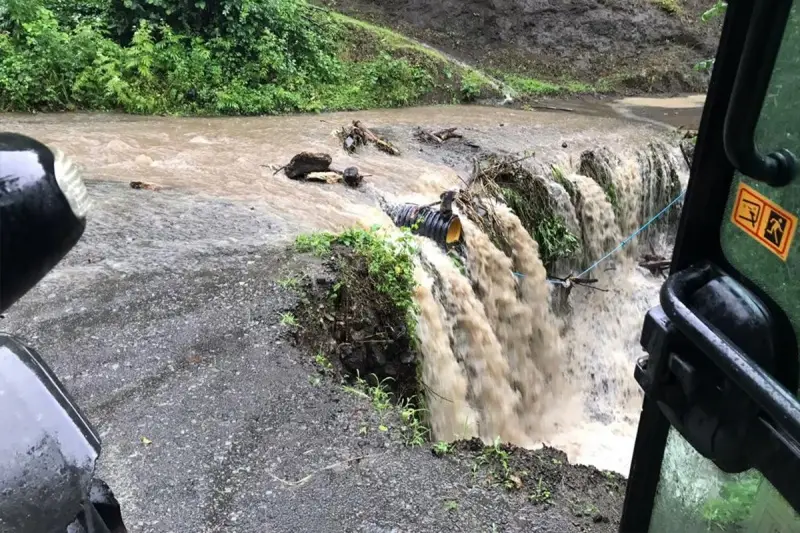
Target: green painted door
<point x="757" y="237"/>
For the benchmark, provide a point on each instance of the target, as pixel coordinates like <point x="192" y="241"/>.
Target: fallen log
<point x="357" y="135"/>
<point x="305" y="163"/>
<point x="438" y="137"/>
<point x="448" y="133"/>
<point x="143" y="185"/>
<point x="424" y="136"/>
<point x="324" y="177"/>
<point x="656" y="267"/>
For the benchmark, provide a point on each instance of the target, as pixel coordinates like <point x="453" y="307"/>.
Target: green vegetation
<point x="414" y="430"/>
<point x="323" y="362"/>
<point x="226" y="57"/>
<point x="669" y="6"/>
<point x="390" y="263"/>
<point x="442" y="448"/>
<point x="718" y="9"/>
<point x="537" y="214"/>
<point x="714" y="11"/>
<point x="451" y="505"/>
<point x="555" y="240"/>
<point x="288" y="319"/>
<point x="495" y="458"/>
<point x="541" y="494"/>
<point x="289" y="282"/>
<point x="318" y="244"/>
<point x="734" y="504"/>
<point x="411" y="426"/>
<point x="558" y="177"/>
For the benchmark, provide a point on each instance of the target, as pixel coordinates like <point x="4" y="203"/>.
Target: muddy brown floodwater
<point x="236" y="157"/>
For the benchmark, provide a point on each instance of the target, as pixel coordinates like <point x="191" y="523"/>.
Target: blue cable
<point x="626" y="241"/>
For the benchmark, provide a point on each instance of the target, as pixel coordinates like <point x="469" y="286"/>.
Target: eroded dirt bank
<point x="646" y="46"/>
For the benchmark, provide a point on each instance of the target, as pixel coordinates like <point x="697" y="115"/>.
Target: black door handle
<point x="773" y="398"/>
<point x="750" y="88"/>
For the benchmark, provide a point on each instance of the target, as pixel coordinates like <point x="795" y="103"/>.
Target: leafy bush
<point x="471" y="84"/>
<point x="390" y="261"/>
<point x="235" y="57"/>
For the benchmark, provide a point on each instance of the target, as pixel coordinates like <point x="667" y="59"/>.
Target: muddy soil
<point x="545" y="478"/>
<point x="360" y="331"/>
<point x="585" y="40"/>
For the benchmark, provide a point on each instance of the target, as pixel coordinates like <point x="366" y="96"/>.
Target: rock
<point x="305" y="163"/>
<point x="352" y="178"/>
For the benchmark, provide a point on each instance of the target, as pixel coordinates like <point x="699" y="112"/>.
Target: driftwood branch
<point x="438" y="137"/>
<point x="357" y="134"/>
<point x="656" y="267"/>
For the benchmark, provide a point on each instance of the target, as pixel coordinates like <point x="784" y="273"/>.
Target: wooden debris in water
<point x="438" y="137"/>
<point x="656" y="264"/>
<point x="495" y="178"/>
<point x="305" y="163"/>
<point x="143" y="185"/>
<point x="324" y="177"/>
<point x="357" y="134"/>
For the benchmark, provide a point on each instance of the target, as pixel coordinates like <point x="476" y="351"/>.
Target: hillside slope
<point x="628" y="45"/>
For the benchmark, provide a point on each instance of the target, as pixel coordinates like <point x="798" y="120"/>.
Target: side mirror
<point x="43" y="206"/>
<point x="48" y="448"/>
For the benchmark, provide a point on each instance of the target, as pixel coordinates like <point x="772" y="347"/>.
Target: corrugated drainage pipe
<point x="442" y="228"/>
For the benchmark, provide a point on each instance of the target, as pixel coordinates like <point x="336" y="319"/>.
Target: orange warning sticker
<point x="765" y="221"/>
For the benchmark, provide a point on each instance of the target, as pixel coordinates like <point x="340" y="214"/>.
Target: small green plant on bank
<point x="457" y="261"/>
<point x="548" y="228"/>
<point x="556" y="240"/>
<point x="412" y="427"/>
<point x="718" y="9"/>
<point x="323" y="362"/>
<point x="414" y="430"/>
<point x="378" y="394"/>
<point x="288" y="319"/>
<point x="541" y="494"/>
<point x="318" y="243"/>
<point x="669" y="6"/>
<point x="289" y="282"/>
<point x="441" y="448"/>
<point x="496" y="460"/>
<point x="451" y="505"/>
<point x="471" y="85"/>
<point x="585" y="509"/>
<point x="611" y="195"/>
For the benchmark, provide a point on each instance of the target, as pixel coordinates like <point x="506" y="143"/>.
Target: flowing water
<point x="499" y="358"/>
